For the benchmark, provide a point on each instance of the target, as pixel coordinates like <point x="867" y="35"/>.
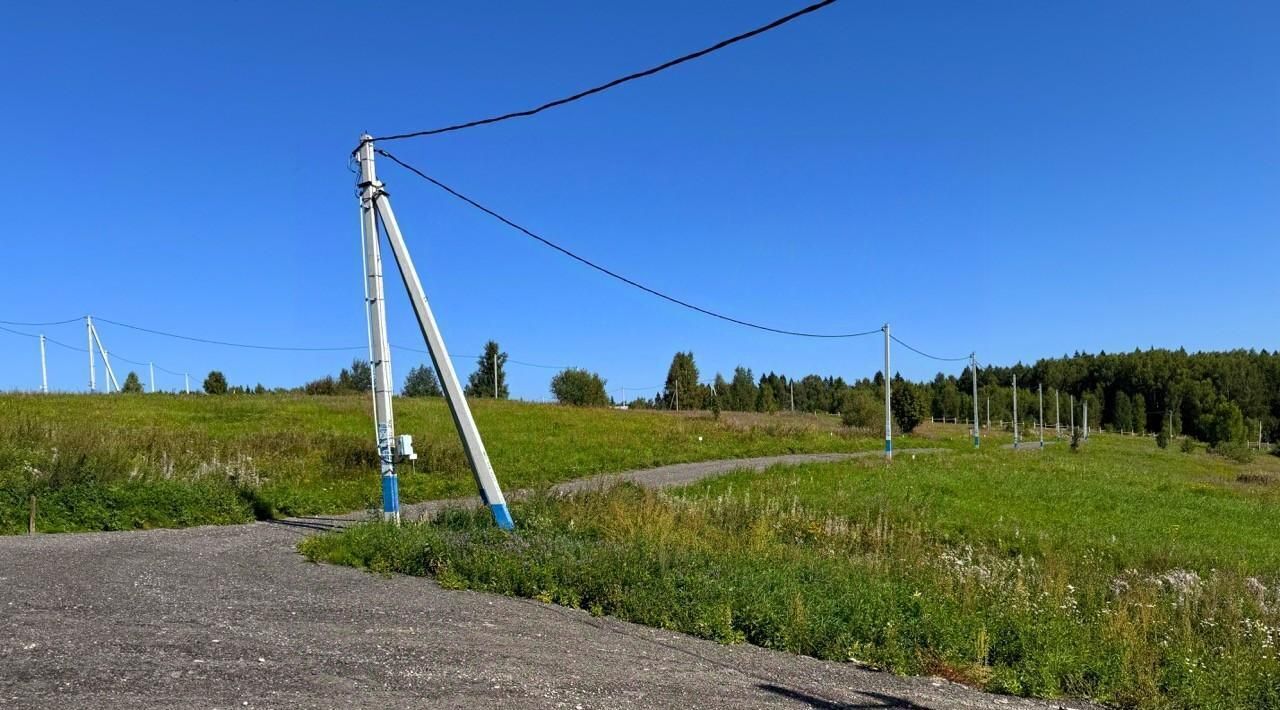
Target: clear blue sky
<point x="1023" y="179"/>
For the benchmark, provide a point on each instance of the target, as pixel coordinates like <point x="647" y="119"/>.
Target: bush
<point x="132" y="385"/>
<point x="579" y="388"/>
<point x="421" y="382"/>
<point x="1275" y="450"/>
<point x="215" y="383"/>
<point x="860" y="408"/>
<point x="1234" y="451"/>
<point x="1076" y="437"/>
<point x="909" y="408"/>
<point x="1188" y="445"/>
<point x="1162" y="439"/>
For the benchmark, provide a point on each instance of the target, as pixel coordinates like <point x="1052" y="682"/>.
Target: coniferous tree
<point x="682" y="381"/>
<point x="215" y="383"/>
<point x="132" y="385"/>
<point x="482" y="381"/>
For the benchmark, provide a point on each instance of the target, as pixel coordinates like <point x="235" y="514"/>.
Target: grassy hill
<point x="115" y="462"/>
<point x="1141" y="577"/>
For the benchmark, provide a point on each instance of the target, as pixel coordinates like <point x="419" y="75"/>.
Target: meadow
<point x="120" y="462"/>
<point x="1123" y="573"/>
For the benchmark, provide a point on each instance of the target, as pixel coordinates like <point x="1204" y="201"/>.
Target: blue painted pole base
<point x="502" y="516"/>
<point x="391" y="496"/>
<point x="975" y="441"/>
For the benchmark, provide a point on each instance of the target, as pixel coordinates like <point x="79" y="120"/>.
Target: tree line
<point x="1216" y="397"/>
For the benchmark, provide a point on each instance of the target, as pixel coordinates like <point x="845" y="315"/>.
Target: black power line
<point x="925" y="354"/>
<point x="616" y="82"/>
<point x="228" y="344"/>
<point x="56" y="322"/>
<point x="607" y="271"/>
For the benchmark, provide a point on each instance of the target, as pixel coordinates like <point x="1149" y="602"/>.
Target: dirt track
<point x="234" y="617"/>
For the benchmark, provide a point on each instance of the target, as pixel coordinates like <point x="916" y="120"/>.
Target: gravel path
<point x="234" y="617"/>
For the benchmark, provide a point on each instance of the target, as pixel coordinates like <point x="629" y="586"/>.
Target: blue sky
<point x="1020" y="179"/>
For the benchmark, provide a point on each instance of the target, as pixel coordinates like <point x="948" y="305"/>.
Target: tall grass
<point x="122" y="462"/>
<point x="1048" y="575"/>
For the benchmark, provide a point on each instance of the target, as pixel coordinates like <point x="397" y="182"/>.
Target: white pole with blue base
<point x="888" y="404"/>
<point x="376" y="206"/>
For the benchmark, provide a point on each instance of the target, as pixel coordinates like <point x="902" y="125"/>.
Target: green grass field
<point x="137" y="461"/>
<point x="1134" y="576"/>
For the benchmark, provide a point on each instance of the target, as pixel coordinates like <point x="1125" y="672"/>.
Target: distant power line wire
<point x="210" y="341"/>
<point x="614" y="274"/>
<point x="899" y="341"/>
<point x="616" y="82"/>
<point x="47" y="339"/>
<point x="31" y="325"/>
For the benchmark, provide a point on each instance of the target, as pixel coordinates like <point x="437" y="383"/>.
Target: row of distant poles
<point x="111" y="382"/>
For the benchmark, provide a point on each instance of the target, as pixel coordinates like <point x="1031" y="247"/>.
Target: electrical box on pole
<point x="375" y="210"/>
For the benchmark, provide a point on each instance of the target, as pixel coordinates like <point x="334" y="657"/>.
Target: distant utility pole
<point x="973" y="375"/>
<point x="1057" y="417"/>
<point x="792" y="385"/>
<point x="677" y="394"/>
<point x="1072" y="406"/>
<point x="888" y="412"/>
<point x="495" y="375"/>
<point x="1171" y="423"/>
<point x="88" y="329"/>
<point x="375" y="208"/>
<point x="152" y="366"/>
<point x="44" y="371"/>
<point x="186" y="382"/>
<point x="1015" y="411"/>
<point x="1040" y="389"/>
<point x="106" y="359"/>
<point x="1086" y="419"/>
<point x="988" y="412"/>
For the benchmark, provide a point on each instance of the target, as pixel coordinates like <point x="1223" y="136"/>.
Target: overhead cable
<point x="614" y="274"/>
<point x="616" y="82"/>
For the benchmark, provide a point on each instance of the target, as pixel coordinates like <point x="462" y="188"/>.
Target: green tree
<point x="742" y="391"/>
<point x="215" y="383"/>
<point x="909" y="407"/>
<point x="1224" y="424"/>
<point x="1139" y="414"/>
<point x="421" y="382"/>
<point x="682" y="378"/>
<point x="132" y="385"/>
<point x="765" y="401"/>
<point x="580" y="388"/>
<point x="1122" y="414"/>
<point x="357" y="379"/>
<point x="490" y="371"/>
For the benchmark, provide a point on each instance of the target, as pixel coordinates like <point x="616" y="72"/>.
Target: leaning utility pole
<point x="973" y="375"/>
<point x="1015" y="411"/>
<point x="888" y="404"/>
<point x="375" y="208"/>
<point x="106" y="359"/>
<point x="44" y="370"/>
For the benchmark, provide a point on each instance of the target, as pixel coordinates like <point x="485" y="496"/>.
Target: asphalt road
<point x="222" y="617"/>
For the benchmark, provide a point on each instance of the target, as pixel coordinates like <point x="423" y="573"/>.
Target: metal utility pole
<point x="44" y="370"/>
<point x="375" y="207"/>
<point x="1040" y="389"/>
<point x="1015" y="411"/>
<point x="106" y="359"/>
<point x="88" y="329"/>
<point x="973" y="375"/>
<point x="152" y="367"/>
<point x="888" y="403"/>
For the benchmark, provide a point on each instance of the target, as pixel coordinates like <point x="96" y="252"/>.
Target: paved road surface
<point x="234" y="617"/>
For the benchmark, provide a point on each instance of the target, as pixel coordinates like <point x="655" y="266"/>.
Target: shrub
<point x="1162" y="439"/>
<point x="421" y="382"/>
<point x="132" y="385"/>
<point x="860" y="408"/>
<point x="1076" y="437"/>
<point x="909" y="407"/>
<point x="1234" y="451"/>
<point x="579" y="388"/>
<point x="1188" y="445"/>
<point x="215" y="383"/>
